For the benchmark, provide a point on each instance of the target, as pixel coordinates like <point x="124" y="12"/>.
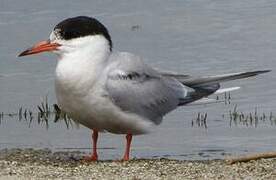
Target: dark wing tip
<point x="262" y="71"/>
<point x="252" y="73"/>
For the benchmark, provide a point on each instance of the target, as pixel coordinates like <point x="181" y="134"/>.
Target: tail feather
<point x="224" y="90"/>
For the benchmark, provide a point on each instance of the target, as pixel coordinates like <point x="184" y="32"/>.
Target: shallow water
<point x="193" y="37"/>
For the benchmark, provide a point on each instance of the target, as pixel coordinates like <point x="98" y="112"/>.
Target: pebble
<point x="43" y="164"/>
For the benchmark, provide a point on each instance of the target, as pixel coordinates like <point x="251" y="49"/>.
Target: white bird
<point x="107" y="90"/>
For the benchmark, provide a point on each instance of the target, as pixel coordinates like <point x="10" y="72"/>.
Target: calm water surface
<point x="197" y="37"/>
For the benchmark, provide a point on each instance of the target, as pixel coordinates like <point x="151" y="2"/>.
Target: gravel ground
<point x="43" y="164"/>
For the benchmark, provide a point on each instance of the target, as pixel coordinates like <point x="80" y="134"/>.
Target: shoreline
<point x="44" y="164"/>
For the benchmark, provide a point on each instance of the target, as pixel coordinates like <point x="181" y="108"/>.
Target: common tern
<point x="107" y="90"/>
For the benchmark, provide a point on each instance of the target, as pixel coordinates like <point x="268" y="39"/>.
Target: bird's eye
<point x="56" y="34"/>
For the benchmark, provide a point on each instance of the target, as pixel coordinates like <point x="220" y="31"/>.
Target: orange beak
<point x="42" y="46"/>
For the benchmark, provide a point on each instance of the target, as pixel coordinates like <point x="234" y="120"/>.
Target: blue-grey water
<point x="199" y="37"/>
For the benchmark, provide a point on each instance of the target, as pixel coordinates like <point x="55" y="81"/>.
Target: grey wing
<point x="136" y="88"/>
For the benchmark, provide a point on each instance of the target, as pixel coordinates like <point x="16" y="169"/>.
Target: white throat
<point x="81" y="61"/>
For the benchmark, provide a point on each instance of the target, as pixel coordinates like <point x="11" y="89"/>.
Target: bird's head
<point x="73" y="34"/>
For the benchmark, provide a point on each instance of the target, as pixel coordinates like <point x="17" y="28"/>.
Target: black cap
<point x="81" y="26"/>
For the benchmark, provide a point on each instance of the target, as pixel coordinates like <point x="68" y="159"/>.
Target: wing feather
<point x="136" y="88"/>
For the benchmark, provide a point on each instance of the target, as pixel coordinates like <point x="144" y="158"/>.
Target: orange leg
<point x="94" y="156"/>
<point x="128" y="140"/>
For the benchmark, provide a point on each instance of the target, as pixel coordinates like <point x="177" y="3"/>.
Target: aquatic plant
<point x="226" y="98"/>
<point x="200" y="120"/>
<point x="249" y="119"/>
<point x="44" y="114"/>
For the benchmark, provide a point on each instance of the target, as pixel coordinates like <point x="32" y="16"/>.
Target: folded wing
<point x="136" y="88"/>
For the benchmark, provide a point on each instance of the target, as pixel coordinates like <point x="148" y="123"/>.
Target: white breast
<point x="81" y="94"/>
<point x="94" y="109"/>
